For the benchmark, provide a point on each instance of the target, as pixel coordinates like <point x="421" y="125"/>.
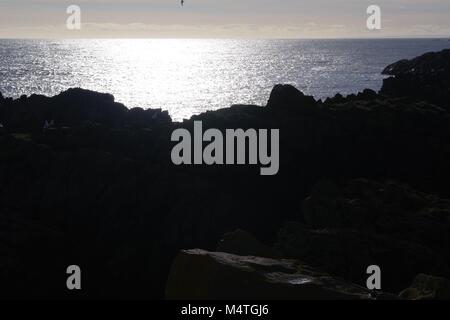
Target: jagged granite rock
<point x="75" y="107"/>
<point x="348" y="252"/>
<point x="426" y="77"/>
<point x="367" y="94"/>
<point x="363" y="222"/>
<point x="111" y="188"/>
<point x="427" y="287"/>
<point x="113" y="191"/>
<point x="202" y="275"/>
<point x="102" y="178"/>
<point x="364" y="96"/>
<point x="384" y="208"/>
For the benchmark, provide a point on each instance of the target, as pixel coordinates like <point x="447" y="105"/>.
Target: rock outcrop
<point x="202" y="275"/>
<point x="73" y="108"/>
<point x="99" y="185"/>
<point x="426" y="287"/>
<point x="382" y="208"/>
<point x="426" y="78"/>
<point x="287" y="97"/>
<point x="364" y="223"/>
<point x="348" y="252"/>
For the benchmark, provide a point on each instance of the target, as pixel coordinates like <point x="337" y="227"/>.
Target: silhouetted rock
<point x="429" y="63"/>
<point x="140" y="118"/>
<point x="367" y="94"/>
<point x="99" y="184"/>
<point x="426" y="77"/>
<point x="72" y="108"/>
<point x="287" y="96"/>
<point x="426" y="287"/>
<point x="337" y="99"/>
<point x="202" y="275"/>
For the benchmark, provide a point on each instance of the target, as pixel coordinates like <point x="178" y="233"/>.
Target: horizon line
<point x="437" y="37"/>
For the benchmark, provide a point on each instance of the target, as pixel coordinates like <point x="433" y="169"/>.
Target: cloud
<point x="224" y="18"/>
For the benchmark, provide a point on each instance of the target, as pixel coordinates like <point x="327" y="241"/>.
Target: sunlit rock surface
<point x="202" y="275"/>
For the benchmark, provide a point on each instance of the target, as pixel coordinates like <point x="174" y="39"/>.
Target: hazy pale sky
<point x="224" y="18"/>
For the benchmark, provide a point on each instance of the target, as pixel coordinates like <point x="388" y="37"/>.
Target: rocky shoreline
<point x="363" y="180"/>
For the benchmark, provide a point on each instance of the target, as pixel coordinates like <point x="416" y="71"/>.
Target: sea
<point x="190" y="76"/>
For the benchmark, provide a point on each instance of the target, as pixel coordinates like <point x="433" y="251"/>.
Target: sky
<point x="224" y="19"/>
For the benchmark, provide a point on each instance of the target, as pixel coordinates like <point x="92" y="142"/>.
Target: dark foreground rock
<point x="380" y="208"/>
<point x="85" y="180"/>
<point x="348" y="253"/>
<point x="350" y="227"/>
<point x="202" y="275"/>
<point x="426" y="287"/>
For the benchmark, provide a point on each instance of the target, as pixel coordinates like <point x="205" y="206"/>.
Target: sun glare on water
<point x="190" y="76"/>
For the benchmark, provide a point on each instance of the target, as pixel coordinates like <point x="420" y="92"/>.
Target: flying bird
<point x="182" y="2"/>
